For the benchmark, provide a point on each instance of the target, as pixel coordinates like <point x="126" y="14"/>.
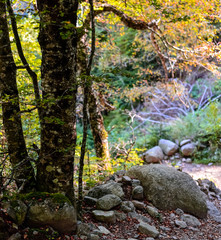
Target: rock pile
<point x="169" y="150"/>
<point x="162" y="186"/>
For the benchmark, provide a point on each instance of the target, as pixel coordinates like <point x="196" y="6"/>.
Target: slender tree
<point x="23" y="171"/>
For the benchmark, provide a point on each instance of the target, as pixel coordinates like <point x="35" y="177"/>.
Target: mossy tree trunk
<point x="22" y="168"/>
<point x="58" y="43"/>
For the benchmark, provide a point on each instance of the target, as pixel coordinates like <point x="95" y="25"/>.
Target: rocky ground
<point x="138" y="219"/>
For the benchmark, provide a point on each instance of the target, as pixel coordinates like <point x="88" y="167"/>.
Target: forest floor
<point x="209" y="229"/>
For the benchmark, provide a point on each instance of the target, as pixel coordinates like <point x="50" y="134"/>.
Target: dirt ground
<point x="196" y="171"/>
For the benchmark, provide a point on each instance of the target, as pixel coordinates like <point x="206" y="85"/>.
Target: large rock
<point x="188" y="149"/>
<point x="109" y="188"/>
<point x="168" y="147"/>
<point x="153" y="155"/>
<point x="60" y="215"/>
<point x="169" y="189"/>
<point x="17" y="210"/>
<point x="108" y="201"/>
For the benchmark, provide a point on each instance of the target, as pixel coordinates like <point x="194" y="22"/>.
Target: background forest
<point x="149" y="84"/>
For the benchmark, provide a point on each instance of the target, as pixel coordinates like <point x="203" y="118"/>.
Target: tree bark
<point x="58" y="43"/>
<point x="22" y="168"/>
<point x="99" y="133"/>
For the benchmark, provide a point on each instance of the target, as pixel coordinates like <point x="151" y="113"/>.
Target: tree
<point x="23" y="172"/>
<point x="58" y="40"/>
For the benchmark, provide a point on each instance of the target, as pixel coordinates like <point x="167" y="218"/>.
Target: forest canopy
<point x="73" y="72"/>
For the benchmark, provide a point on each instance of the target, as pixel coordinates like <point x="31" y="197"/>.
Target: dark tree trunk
<point x="23" y="171"/>
<point x="58" y="43"/>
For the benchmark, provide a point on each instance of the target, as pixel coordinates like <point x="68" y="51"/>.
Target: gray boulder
<point x="108" y="201"/>
<point x="188" y="150"/>
<point x="60" y="216"/>
<point x="168" y="147"/>
<point x="153" y="155"/>
<point x="104" y="216"/>
<point x="169" y="189"/>
<point x="109" y="188"/>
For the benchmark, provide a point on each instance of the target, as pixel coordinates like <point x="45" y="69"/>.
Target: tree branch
<point x="32" y="74"/>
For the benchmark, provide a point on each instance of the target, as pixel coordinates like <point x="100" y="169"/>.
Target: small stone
<point x="139" y="217"/>
<point x="82" y="237"/>
<point x="16" y="236"/>
<point x="165" y="229"/>
<point x="137" y="193"/>
<point x="184" y="142"/>
<point x="149" y="238"/>
<point x="139" y="205"/>
<point x="188" y="149"/>
<point x="108" y="202"/>
<point x="172" y="216"/>
<point x="180" y="224"/>
<point x="120" y="215"/>
<point x="135" y="182"/>
<point x="177" y="156"/>
<point x="188" y="160"/>
<point x="191" y="220"/>
<point x="35" y="232"/>
<point x="153" y="155"/>
<point x="126" y="179"/>
<point x="148" y="229"/>
<point x="94" y="237"/>
<point x="152" y="211"/>
<point x="83" y="229"/>
<point x="179" y="211"/>
<point x="104" y="216"/>
<point x="127" y="206"/>
<point x="110" y="187"/>
<point x="168" y="147"/>
<point x="103" y="230"/>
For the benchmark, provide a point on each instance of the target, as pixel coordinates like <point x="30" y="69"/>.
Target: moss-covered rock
<point x="41" y="196"/>
<point x="54" y="210"/>
<point x="16" y="209"/>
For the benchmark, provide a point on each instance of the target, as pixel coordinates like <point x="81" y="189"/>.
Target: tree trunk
<point x="99" y="133"/>
<point x="22" y="168"/>
<point x="58" y="43"/>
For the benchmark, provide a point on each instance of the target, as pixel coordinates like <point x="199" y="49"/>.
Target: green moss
<point x="41" y="196"/>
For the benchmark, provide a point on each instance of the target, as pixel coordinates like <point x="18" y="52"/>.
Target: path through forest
<point x="213" y="172"/>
